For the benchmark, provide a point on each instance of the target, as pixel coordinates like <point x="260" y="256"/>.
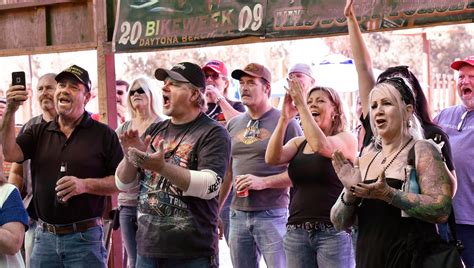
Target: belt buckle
<point x="50" y="228"/>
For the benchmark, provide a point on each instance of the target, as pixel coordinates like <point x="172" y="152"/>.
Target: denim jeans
<point x="225" y="215"/>
<point x="323" y="248"/>
<point x="73" y="250"/>
<point x="29" y="241"/>
<point x="465" y="233"/>
<point x="257" y="233"/>
<point x="202" y="262"/>
<point x="128" y="227"/>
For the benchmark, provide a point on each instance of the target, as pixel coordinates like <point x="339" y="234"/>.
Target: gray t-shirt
<point x="249" y="143"/>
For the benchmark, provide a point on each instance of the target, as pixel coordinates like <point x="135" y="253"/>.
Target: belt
<point x="310" y="226"/>
<point x="77" y="227"/>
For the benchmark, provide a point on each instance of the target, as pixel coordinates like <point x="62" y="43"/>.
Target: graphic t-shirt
<point x="249" y="143"/>
<point x="171" y="224"/>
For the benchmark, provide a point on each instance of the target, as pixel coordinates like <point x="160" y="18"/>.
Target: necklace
<point x="383" y="161"/>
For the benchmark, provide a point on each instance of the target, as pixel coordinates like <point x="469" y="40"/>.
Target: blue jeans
<point x="323" y="248"/>
<point x="128" y="227"/>
<point x="202" y="262"/>
<point x="257" y="233"/>
<point x="465" y="233"/>
<point x="69" y="250"/>
<point x="225" y="215"/>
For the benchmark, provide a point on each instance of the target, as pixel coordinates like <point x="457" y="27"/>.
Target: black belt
<point x="76" y="227"/>
<point x="310" y="226"/>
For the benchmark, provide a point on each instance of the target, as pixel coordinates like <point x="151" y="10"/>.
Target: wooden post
<point x="107" y="103"/>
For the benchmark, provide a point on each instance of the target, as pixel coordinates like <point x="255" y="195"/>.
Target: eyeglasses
<point x="463" y="121"/>
<point x="213" y="76"/>
<point x="138" y="90"/>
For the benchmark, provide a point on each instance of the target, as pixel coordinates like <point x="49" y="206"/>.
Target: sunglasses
<point x="213" y="76"/>
<point x="138" y="90"/>
<point x="463" y="121"/>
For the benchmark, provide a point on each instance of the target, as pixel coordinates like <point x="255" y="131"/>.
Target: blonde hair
<point x="415" y="130"/>
<point x="153" y="93"/>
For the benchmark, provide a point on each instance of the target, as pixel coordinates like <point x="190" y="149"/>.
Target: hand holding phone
<point x="18" y="78"/>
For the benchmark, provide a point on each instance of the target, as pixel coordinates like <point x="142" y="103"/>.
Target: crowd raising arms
<point x="380" y="171"/>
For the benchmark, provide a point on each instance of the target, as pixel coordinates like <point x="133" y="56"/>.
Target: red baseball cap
<point x="459" y="63"/>
<point x="216" y="66"/>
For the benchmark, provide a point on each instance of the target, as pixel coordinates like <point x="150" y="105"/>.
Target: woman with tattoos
<point x="311" y="239"/>
<point x="390" y="219"/>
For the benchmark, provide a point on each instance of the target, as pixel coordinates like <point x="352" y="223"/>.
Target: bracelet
<point x="218" y="100"/>
<point x="347" y="204"/>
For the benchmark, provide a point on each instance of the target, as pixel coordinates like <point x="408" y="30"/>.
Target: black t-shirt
<point x="314" y="182"/>
<point x="171" y="224"/>
<point x="92" y="151"/>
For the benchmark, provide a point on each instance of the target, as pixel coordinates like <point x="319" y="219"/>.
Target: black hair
<point x="421" y="106"/>
<point x="122" y="83"/>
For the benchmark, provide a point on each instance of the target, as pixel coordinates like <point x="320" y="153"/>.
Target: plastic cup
<point x="243" y="193"/>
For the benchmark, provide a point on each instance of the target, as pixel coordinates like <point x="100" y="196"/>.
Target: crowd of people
<point x="191" y="166"/>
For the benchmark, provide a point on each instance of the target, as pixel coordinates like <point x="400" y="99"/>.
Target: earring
<point x="334" y="117"/>
<point x="409" y="123"/>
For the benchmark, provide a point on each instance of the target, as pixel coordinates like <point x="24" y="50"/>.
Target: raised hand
<point x="296" y="90"/>
<point x="288" y="109"/>
<point x="349" y="8"/>
<point x="15" y="96"/>
<point x="347" y="174"/>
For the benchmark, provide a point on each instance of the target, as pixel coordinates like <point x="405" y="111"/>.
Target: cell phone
<point x="18" y="78"/>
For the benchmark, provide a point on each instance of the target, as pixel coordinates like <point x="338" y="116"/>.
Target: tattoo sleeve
<point x="433" y="204"/>
<point x="342" y="215"/>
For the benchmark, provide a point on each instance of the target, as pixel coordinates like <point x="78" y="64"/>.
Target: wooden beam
<point x="36" y="4"/>
<point x="48" y="49"/>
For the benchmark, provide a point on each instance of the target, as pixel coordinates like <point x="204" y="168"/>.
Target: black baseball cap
<point x="77" y="74"/>
<point x="184" y="72"/>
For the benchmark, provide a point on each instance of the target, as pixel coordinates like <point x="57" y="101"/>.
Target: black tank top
<point x="316" y="187"/>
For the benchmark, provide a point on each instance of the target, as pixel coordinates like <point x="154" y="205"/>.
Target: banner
<point x="143" y="25"/>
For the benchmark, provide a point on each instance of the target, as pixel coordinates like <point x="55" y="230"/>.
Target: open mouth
<point x="466" y="91"/>
<point x="315" y="114"/>
<point x="166" y="100"/>
<point x="380" y="122"/>
<point x="64" y="100"/>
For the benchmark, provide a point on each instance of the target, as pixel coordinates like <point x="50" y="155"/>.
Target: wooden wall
<point x="29" y="27"/>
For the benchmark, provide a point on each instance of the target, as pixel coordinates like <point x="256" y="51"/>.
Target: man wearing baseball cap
<point x="304" y="74"/>
<point x="221" y="109"/>
<point x="458" y="123"/>
<point x="260" y="207"/>
<point x="180" y="167"/>
<point x="67" y="206"/>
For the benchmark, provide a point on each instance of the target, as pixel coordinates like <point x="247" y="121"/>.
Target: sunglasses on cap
<point x="138" y="90"/>
<point x="213" y="76"/>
